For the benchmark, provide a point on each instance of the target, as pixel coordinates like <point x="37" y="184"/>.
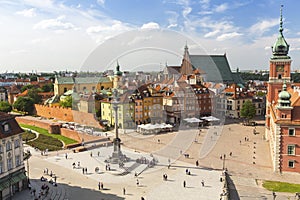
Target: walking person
<point x="99" y="185"/>
<point x="197" y="163"/>
<point x="102" y="187"/>
<point x="184" y="184"/>
<point x="202" y="183"/>
<point x="124" y="191"/>
<point x="137" y="182"/>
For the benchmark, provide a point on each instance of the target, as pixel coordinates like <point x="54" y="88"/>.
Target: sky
<point x="54" y="35"/>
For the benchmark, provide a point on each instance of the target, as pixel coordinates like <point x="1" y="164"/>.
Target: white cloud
<point x="227" y="36"/>
<point x="186" y="11"/>
<point x="211" y="34"/>
<point x="40" y="4"/>
<point x="172" y="26"/>
<point x="101" y="2"/>
<point x="150" y="25"/>
<point x="27" y="12"/>
<point x="56" y="24"/>
<point x="221" y="8"/>
<point x="263" y="26"/>
<point x="107" y="30"/>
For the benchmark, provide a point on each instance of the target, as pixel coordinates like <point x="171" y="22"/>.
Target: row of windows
<point x="9" y="163"/>
<point x="8" y="145"/>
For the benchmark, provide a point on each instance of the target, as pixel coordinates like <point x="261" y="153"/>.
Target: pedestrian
<point x="221" y="157"/>
<point x="245" y="139"/>
<point x="142" y="198"/>
<point x="102" y="186"/>
<point x="99" y="185"/>
<point x="197" y="163"/>
<point x="184" y="184"/>
<point x="202" y="183"/>
<point x="230" y="154"/>
<point x="274" y="195"/>
<point x="137" y="182"/>
<point x="98" y="153"/>
<point x="78" y="164"/>
<point x="91" y="154"/>
<point x="86" y="170"/>
<point x="158" y="141"/>
<point x="66" y="156"/>
<point x="82" y="170"/>
<point x="124" y="191"/>
<point x="240" y="142"/>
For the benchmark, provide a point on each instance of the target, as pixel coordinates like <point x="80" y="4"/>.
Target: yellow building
<point x="81" y="84"/>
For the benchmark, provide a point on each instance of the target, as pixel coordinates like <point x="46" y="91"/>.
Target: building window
<point x="17" y="143"/>
<point x="18" y="160"/>
<point x="291" y="163"/>
<point x="9" y="164"/>
<point x="291" y="132"/>
<point x="6" y="127"/>
<point x="283" y="115"/>
<point x="8" y="146"/>
<point x="291" y="149"/>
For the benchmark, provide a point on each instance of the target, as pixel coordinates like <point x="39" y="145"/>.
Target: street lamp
<point x="224" y="158"/>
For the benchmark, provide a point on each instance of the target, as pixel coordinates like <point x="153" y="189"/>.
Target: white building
<point x="12" y="170"/>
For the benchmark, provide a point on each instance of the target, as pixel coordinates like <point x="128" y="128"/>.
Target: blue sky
<point x="61" y="34"/>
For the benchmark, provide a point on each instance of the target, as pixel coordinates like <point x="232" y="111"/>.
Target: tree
<point x="248" y="110"/>
<point x="48" y="87"/>
<point x="5" y="106"/>
<point x="24" y="104"/>
<point x="34" y="94"/>
<point x="67" y="102"/>
<point x="26" y="87"/>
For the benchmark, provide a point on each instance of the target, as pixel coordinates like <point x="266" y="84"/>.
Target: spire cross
<point x="281" y="29"/>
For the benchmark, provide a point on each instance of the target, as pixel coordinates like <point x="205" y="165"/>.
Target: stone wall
<point x="67" y="114"/>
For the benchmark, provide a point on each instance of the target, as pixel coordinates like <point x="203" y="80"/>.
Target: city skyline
<point x="59" y="35"/>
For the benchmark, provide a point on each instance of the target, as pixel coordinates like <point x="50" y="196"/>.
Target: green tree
<point x="34" y="94"/>
<point x="24" y="104"/>
<point x="5" y="106"/>
<point x="248" y="110"/>
<point x="48" y="87"/>
<point x="67" y="102"/>
<point x="26" y="87"/>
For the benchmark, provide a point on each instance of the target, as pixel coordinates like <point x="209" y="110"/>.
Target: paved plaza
<point x="248" y="165"/>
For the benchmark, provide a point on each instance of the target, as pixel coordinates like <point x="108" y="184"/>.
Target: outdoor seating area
<point x="154" y="128"/>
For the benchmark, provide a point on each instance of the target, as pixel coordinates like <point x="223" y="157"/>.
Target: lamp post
<point x="224" y="158"/>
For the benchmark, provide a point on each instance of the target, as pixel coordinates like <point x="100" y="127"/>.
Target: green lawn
<point x="45" y="132"/>
<point x="281" y="186"/>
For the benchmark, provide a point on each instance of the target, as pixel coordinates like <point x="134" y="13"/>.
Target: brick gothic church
<point x="283" y="109"/>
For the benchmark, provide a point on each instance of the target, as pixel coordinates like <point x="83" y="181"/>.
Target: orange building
<point x="283" y="110"/>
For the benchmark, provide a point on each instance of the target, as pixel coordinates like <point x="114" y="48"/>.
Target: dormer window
<point x="5" y="127"/>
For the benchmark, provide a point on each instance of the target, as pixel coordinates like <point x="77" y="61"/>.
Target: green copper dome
<point x="281" y="47"/>
<point x="118" y="72"/>
<point x="284" y="97"/>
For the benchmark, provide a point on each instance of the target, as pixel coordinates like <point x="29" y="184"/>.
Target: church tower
<point x="280" y="69"/>
<point x="186" y="66"/>
<point x="117" y="77"/>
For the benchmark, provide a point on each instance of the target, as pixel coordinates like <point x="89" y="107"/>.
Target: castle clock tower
<point x="280" y="69"/>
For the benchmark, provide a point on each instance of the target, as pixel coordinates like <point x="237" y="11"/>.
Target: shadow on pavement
<point x="233" y="194"/>
<point x="63" y="191"/>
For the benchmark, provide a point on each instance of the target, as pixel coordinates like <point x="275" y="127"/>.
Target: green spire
<point x="118" y="72"/>
<point x="281" y="48"/>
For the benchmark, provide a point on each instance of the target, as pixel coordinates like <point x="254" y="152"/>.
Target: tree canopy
<point x="24" y="104"/>
<point x="67" y="102"/>
<point x="48" y="87"/>
<point x="34" y="95"/>
<point x="5" y="106"/>
<point x="248" y="110"/>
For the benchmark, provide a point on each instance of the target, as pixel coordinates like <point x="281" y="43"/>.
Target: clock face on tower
<point x="279" y="68"/>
